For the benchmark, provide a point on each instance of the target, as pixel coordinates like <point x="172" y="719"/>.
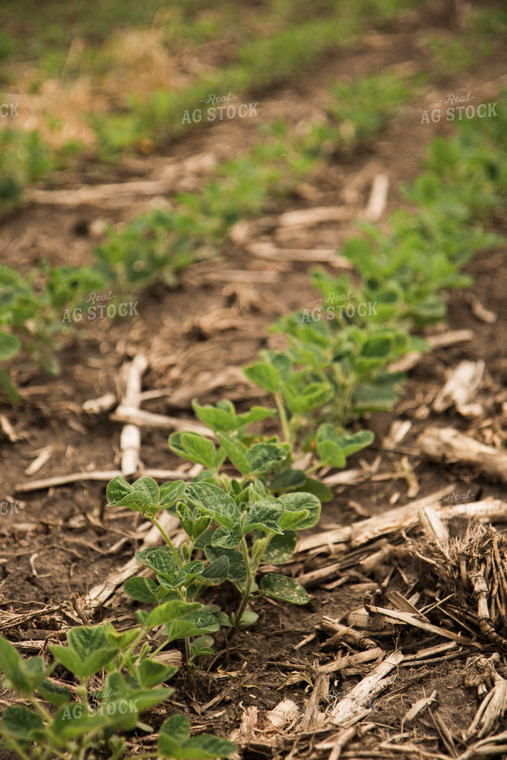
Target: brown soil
<point x="55" y="543"/>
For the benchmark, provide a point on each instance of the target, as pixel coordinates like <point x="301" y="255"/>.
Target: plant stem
<point x="15" y="746"/>
<point x="248" y="588"/>
<point x="283" y="418"/>
<point x="167" y="540"/>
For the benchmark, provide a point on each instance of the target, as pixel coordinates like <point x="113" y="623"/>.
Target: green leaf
<point x="170" y="493"/>
<point x="235" y="452"/>
<point x="288" y="480"/>
<point x="207" y="747"/>
<point x="264" y="457"/>
<point x="149" y="487"/>
<point x="180" y="629"/>
<point x="196" y="448"/>
<point x="21" y="723"/>
<point x="166" y="613"/>
<point x="177" y="727"/>
<point x="85" y="640"/>
<point x="117" y="489"/>
<point x="264" y="375"/>
<point x="159" y="559"/>
<point x="284" y="588"/>
<point x="152" y="673"/>
<point x="11" y="663"/>
<point x="141" y="589"/>
<point x="8" y="386"/>
<point x="226" y="538"/>
<point x="216" y="419"/>
<point x="368" y="397"/>
<point x="237" y="569"/>
<point x="217" y="570"/>
<point x="281" y="548"/>
<point x="306" y="398"/>
<point x="201" y="645"/>
<point x="318" y="489"/>
<point x="256" y="414"/>
<point x="248" y="618"/>
<point x="9" y="346"/>
<point x="215" y="502"/>
<point x="294" y="502"/>
<point x="68" y="658"/>
<point x="264" y="515"/>
<point x="203" y="622"/>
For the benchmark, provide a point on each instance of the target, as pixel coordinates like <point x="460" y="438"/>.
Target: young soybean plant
<point x="131" y="686"/>
<point x="235" y="525"/>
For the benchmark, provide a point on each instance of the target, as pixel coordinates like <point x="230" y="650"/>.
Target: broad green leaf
<point x="159" y="559"/>
<point x="235" y="452"/>
<point x="294" y="502"/>
<point x="96" y="661"/>
<point x="264" y="457"/>
<point x="85" y="639"/>
<point x="216" y="419"/>
<point x="264" y="515"/>
<point x="217" y="570"/>
<point x="170" y="493"/>
<point x="248" y="618"/>
<point x="203" y="622"/>
<point x="264" y="375"/>
<point x="180" y="629"/>
<point x="207" y="747"/>
<point x="280" y="548"/>
<point x="318" y="489"/>
<point x="11" y="663"/>
<point x="68" y="658"/>
<point x="152" y="673"/>
<point x="350" y="443"/>
<point x="141" y="589"/>
<point x="117" y="489"/>
<point x="149" y="487"/>
<point x="306" y="399"/>
<point x="9" y="346"/>
<point x="194" y="447"/>
<point x="237" y="569"/>
<point x="21" y="723"/>
<point x="226" y="538"/>
<point x="368" y="397"/>
<point x="256" y="414"/>
<point x="284" y="588"/>
<point x="177" y="727"/>
<point x="288" y="480"/>
<point x="166" y="613"/>
<point x="215" y="502"/>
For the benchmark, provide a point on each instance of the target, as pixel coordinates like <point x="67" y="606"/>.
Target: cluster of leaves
<point x="23" y="159"/>
<point x="31" y="313"/>
<point x="85" y="719"/>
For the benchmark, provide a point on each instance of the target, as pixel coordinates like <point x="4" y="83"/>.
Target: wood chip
<point x="418" y="708"/>
<point x="284" y="713"/>
<point x="130" y="439"/>
<point x="8" y="430"/>
<point x="354" y="705"/>
<point x="378" y="198"/>
<point x="308" y="217"/>
<point x="157" y="421"/>
<point x="449" y="445"/>
<point x="102" y="404"/>
<point x="460" y="388"/>
<point x="39" y="462"/>
<point x="269" y="251"/>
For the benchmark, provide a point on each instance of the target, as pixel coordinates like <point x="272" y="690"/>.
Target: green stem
<point x="248" y="587"/>
<point x="167" y="540"/>
<point x="283" y="418"/>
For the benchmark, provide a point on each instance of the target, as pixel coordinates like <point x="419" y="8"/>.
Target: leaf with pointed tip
<point x="284" y="588"/>
<point x="169" y="611"/>
<point x="21" y="723"/>
<point x="214" y="502"/>
<point x="236" y="453"/>
<point x="170" y="493"/>
<point x="159" y="559"/>
<point x="294" y="502"/>
<point x="281" y="548"/>
<point x="264" y="515"/>
<point x="117" y="489"/>
<point x="141" y="589"/>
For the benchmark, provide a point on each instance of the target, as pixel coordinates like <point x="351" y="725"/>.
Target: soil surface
<point x="58" y="543"/>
